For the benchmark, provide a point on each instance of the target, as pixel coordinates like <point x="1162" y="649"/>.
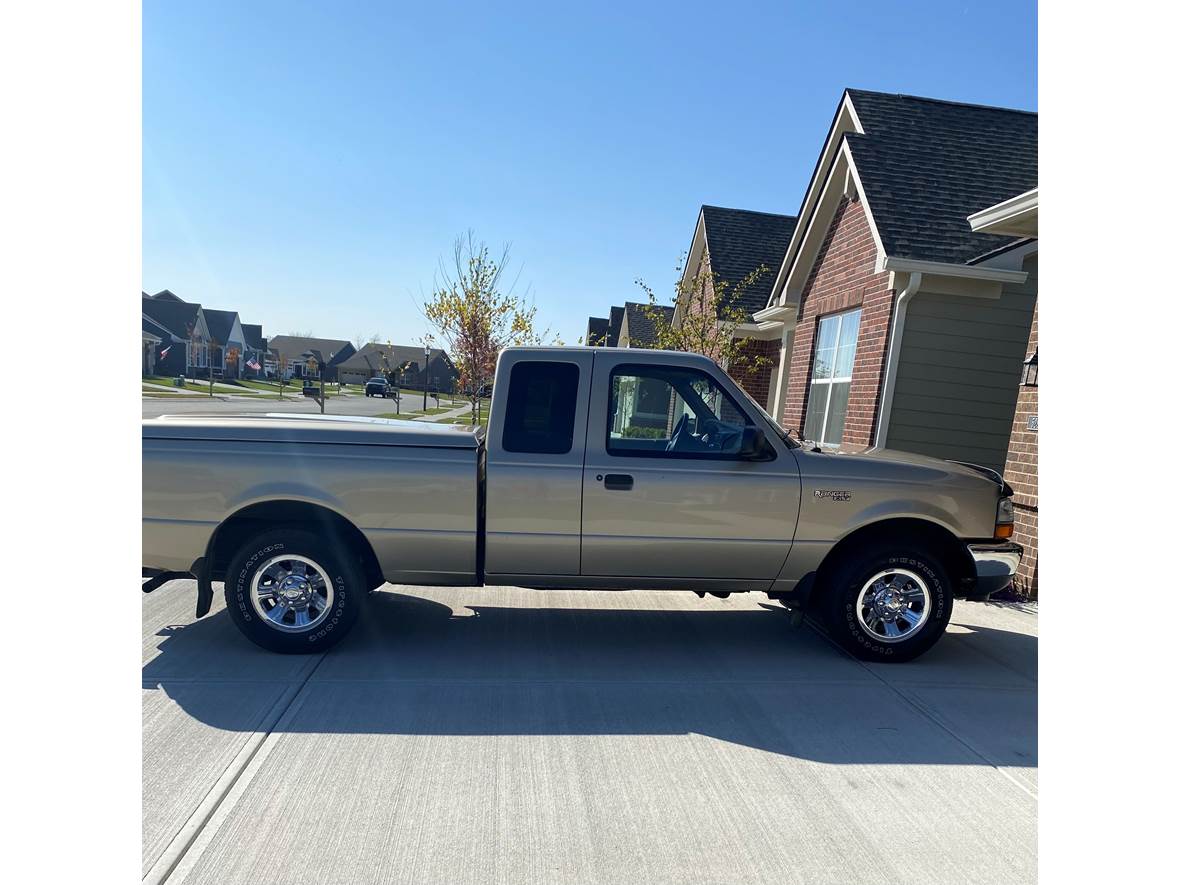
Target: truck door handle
<point x="619" y="482"/>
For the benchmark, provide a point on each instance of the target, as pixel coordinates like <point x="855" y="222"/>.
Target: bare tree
<point x="708" y="312"/>
<point x="475" y="316"/>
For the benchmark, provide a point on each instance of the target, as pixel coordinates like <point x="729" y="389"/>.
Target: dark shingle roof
<point x="333" y="349"/>
<point x="926" y="165"/>
<point x="641" y="332"/>
<point x="220" y="323"/>
<point x="166" y="295"/>
<point x="253" y="334"/>
<point x="369" y="357"/>
<point x="616" y="323"/>
<point x="150" y="328"/>
<point x="739" y="241"/>
<point x="597" y="331"/>
<point x="178" y="317"/>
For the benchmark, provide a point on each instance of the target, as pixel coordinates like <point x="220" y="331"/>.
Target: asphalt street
<point x="515" y="736"/>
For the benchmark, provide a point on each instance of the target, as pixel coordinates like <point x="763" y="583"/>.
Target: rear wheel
<point x="888" y="602"/>
<point x="289" y="592"/>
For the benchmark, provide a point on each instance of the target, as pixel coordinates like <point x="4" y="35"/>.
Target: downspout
<point x="890" y="383"/>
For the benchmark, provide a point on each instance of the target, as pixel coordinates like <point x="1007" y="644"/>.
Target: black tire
<point x="342" y="571"/>
<point x="839" y="601"/>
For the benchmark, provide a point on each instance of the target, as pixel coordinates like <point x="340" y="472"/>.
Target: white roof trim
<point x="962" y="271"/>
<point x="817" y="225"/>
<point x="846" y="120"/>
<point x="696" y="251"/>
<point x="1012" y="216"/>
<point x="774" y="314"/>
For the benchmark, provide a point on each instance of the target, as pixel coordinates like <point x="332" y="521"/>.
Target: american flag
<point x="164" y="352"/>
<point x="253" y="364"/>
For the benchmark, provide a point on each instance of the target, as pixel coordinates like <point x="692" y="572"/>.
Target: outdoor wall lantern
<point x="1028" y="377"/>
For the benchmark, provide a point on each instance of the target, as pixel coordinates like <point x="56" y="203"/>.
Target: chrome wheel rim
<point x="893" y="605"/>
<point x="291" y="593"/>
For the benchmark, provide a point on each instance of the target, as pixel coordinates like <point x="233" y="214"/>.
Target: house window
<point x="831" y="377"/>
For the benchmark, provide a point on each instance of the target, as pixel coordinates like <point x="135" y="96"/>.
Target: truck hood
<point x="295" y="427"/>
<point x="957" y="468"/>
<point x="897" y="466"/>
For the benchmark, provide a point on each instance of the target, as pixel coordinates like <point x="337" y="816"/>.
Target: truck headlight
<point x="1004" y="518"/>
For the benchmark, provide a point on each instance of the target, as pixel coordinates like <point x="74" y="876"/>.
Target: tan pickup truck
<point x="601" y="469"/>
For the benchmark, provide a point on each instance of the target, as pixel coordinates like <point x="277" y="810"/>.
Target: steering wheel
<point x="674" y="439"/>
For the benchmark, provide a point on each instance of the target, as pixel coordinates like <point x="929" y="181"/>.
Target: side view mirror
<point x="754" y="445"/>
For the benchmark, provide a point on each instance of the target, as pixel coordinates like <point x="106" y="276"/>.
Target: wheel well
<point x="940" y="542"/>
<point x="270" y="515"/>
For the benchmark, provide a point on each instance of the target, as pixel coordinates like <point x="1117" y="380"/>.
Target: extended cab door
<point x="665" y="492"/>
<point x="536" y="446"/>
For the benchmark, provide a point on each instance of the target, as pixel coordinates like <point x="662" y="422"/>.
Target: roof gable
<point x="615" y="327"/>
<point x="178" y="317"/>
<point x="253" y="335"/>
<point x="925" y="165"/>
<point x="641" y="330"/>
<point x="597" y="331"/>
<point x="221" y="325"/>
<point x="739" y="241"/>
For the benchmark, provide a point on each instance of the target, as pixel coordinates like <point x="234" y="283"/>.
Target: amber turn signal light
<point x="1004" y="530"/>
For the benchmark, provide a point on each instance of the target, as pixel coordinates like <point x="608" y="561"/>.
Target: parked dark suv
<point x="379" y="387"/>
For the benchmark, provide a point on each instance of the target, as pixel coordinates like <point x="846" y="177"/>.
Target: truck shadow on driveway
<point x="413" y="666"/>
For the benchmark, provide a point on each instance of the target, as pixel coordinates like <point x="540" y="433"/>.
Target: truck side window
<point x="671" y="412"/>
<point x="542" y="403"/>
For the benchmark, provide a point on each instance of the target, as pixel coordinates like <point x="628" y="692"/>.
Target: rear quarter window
<point x="542" y="404"/>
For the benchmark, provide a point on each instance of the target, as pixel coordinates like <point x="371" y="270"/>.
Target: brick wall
<point x="757" y="381"/>
<point x="1021" y="474"/>
<point x="842" y="278"/>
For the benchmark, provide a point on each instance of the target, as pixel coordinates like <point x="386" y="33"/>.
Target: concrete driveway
<point x="515" y="736"/>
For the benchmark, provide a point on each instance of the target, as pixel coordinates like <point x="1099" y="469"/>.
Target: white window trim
<point x="829" y="382"/>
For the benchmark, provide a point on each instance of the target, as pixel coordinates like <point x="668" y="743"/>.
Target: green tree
<point x="475" y="316"/>
<point x="708" y="313"/>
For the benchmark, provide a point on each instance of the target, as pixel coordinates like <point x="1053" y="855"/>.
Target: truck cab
<point x="632" y="468"/>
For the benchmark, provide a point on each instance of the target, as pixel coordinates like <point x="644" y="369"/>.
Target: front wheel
<point x="888" y="602"/>
<point x="290" y="592"/>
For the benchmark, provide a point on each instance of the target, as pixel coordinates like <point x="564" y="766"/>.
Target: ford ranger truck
<point x="600" y="469"/>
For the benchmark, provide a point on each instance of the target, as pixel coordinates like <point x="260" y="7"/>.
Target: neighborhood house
<point x="900" y="307"/>
<point x="185" y="339"/>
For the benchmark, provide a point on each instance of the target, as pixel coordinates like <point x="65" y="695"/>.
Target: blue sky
<point x="307" y="164"/>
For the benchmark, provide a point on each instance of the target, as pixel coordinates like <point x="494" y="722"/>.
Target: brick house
<point x="727" y="246"/>
<point x="1018" y="217"/>
<point x="898" y="325"/>
<point x="637" y="329"/>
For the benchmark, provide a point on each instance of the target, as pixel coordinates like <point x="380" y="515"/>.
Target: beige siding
<point x="959" y="373"/>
